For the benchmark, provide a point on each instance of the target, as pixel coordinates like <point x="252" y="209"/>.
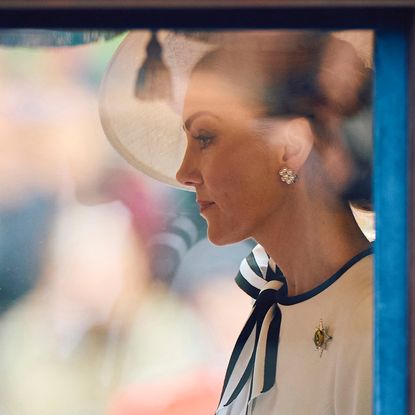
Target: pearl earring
<point x="288" y="175"/>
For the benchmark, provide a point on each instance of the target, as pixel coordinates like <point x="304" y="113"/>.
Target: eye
<point x="204" y="137"/>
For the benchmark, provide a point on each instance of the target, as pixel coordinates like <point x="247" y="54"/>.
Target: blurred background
<point x="103" y="308"/>
<point x="111" y="299"/>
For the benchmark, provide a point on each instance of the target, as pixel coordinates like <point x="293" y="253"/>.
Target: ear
<point x="298" y="143"/>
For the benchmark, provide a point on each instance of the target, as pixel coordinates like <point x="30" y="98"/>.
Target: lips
<point x="204" y="204"/>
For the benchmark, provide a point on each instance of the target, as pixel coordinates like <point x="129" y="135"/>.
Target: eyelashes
<point x="204" y="139"/>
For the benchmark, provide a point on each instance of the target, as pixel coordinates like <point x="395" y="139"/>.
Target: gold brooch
<point x="321" y="337"/>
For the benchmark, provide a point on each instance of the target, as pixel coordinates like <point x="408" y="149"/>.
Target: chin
<point x="221" y="237"/>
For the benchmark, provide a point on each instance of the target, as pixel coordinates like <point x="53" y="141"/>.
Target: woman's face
<point x="232" y="167"/>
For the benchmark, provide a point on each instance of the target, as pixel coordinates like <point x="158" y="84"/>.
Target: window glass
<point x="117" y="290"/>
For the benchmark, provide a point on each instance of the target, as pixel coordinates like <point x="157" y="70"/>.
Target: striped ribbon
<point x="264" y="282"/>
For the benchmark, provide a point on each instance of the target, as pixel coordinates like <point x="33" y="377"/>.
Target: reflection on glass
<point x="101" y="305"/>
<point x="112" y="299"/>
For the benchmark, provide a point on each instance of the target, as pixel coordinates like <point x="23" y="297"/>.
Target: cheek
<point x="244" y="200"/>
<point x="227" y="182"/>
<point x="243" y="185"/>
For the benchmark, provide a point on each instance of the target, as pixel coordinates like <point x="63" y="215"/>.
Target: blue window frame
<point x="391" y="186"/>
<point x="391" y="134"/>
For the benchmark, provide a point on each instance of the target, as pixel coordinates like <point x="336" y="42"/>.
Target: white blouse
<point x="314" y="351"/>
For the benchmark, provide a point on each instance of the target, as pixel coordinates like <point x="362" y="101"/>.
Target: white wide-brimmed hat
<point x="148" y="132"/>
<point x="142" y="93"/>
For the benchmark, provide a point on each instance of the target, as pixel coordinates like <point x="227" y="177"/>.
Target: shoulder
<point x="357" y="324"/>
<point x="355" y="288"/>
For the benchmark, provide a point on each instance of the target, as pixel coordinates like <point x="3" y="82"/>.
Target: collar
<point x="264" y="282"/>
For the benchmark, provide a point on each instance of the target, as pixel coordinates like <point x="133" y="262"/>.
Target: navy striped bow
<point x="258" y="341"/>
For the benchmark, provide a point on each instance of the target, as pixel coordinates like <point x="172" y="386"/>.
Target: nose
<point x="189" y="173"/>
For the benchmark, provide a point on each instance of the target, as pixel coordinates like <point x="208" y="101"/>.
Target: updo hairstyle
<point x="310" y="74"/>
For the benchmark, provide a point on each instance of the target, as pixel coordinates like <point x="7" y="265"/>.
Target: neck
<point x="310" y="244"/>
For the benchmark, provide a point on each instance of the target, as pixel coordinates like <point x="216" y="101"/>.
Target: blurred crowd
<point x="110" y="302"/>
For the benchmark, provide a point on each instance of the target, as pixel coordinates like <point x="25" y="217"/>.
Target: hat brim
<point x="148" y="134"/>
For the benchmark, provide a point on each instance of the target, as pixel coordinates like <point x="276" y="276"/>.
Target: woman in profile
<point x="276" y="124"/>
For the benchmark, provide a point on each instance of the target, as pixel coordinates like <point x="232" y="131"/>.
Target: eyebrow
<point x="188" y="123"/>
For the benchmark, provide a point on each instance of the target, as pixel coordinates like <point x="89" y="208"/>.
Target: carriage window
<point x="140" y="174"/>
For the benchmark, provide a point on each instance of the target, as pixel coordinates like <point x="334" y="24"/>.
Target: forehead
<point x="209" y="91"/>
